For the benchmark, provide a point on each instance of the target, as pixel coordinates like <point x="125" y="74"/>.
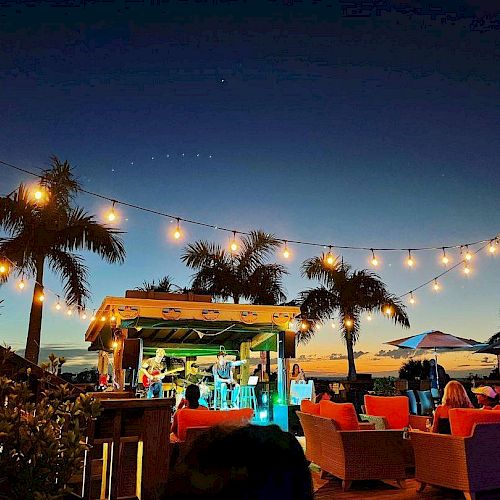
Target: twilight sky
<point x="302" y="120"/>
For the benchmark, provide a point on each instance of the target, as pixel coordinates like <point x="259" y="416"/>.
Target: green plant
<point x="385" y="386"/>
<point x="41" y="442"/>
<point x="348" y="293"/>
<point x="415" y="369"/>
<point x="54" y="364"/>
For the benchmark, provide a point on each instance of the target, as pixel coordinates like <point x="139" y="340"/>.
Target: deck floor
<point x="330" y="487"/>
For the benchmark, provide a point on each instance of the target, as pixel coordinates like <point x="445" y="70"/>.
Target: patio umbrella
<point x="493" y="348"/>
<point x="435" y="340"/>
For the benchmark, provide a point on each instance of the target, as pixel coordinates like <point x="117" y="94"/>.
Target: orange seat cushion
<point x="497" y="407"/>
<point x="343" y="414"/>
<point x="209" y="418"/>
<point x="462" y="420"/>
<point x="309" y="407"/>
<point x="395" y="409"/>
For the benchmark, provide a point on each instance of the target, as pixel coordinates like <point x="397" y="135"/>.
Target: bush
<point x="415" y="370"/>
<point x="385" y="386"/>
<point x="41" y="443"/>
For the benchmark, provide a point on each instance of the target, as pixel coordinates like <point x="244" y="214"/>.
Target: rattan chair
<point x="356" y="455"/>
<point x="470" y="464"/>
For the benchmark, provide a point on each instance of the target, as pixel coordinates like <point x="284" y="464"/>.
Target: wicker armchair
<point x="470" y="464"/>
<point x="356" y="455"/>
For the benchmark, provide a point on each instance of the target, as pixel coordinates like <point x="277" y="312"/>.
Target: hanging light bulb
<point x="436" y="286"/>
<point x="113" y="318"/>
<point x="445" y="260"/>
<point x="21" y="284"/>
<point x="303" y="325"/>
<point x="369" y="317"/>
<point x="92" y="318"/>
<point x="38" y="195"/>
<point x="374" y="259"/>
<point x="412" y="298"/>
<point x="348" y="323"/>
<point x="333" y="325"/>
<point x="103" y="318"/>
<point x="84" y="315"/>
<point x="3" y="267"/>
<point x="286" y="252"/>
<point x="410" y="262"/>
<point x="466" y="269"/>
<point x="468" y="255"/>
<point x="388" y="310"/>
<point x="491" y="247"/>
<point x="177" y="232"/>
<point x="330" y="259"/>
<point x="69" y="312"/>
<point x="41" y="297"/>
<point x="58" y="305"/>
<point x="234" y="244"/>
<point x="114" y="344"/>
<point x="111" y="216"/>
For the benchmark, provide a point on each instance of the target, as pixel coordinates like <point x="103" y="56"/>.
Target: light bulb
<point x="369" y="317"/>
<point x="234" y="244"/>
<point x="177" y="232"/>
<point x="84" y="316"/>
<point x="92" y="317"/>
<point x="468" y="255"/>
<point x="113" y="318"/>
<point x="466" y="270"/>
<point x="491" y="248"/>
<point x="436" y="286"/>
<point x="58" y="306"/>
<point x="348" y="322"/>
<point x="374" y="259"/>
<point x="69" y="312"/>
<point x="333" y="325"/>
<point x="388" y="310"/>
<point x="286" y="252"/>
<point x="111" y="215"/>
<point x="103" y="318"/>
<point x="3" y="268"/>
<point x="445" y="260"/>
<point x="330" y="259"/>
<point x="115" y="344"/>
<point x="303" y="325"/>
<point x="21" y="285"/>
<point x="412" y="299"/>
<point x="38" y="194"/>
<point x="410" y="262"/>
<point x="41" y="297"/>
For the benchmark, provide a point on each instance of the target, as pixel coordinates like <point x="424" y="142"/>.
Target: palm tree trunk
<point x="35" y="325"/>
<point x="350" y="358"/>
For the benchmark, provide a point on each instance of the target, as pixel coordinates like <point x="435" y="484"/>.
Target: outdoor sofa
<point x="467" y="460"/>
<point x="339" y="446"/>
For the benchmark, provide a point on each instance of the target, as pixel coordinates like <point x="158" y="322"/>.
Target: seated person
<point x="191" y="401"/>
<point x="297" y="374"/>
<point x="486" y="397"/>
<point x="223" y="372"/>
<point x="245" y="463"/>
<point x="454" y="396"/>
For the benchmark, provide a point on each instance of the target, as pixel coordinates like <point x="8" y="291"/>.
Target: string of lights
<point x="466" y="249"/>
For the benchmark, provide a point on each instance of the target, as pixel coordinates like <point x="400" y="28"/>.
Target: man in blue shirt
<point x="223" y="372"/>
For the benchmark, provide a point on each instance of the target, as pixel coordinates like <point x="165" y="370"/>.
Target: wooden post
<point x="245" y="369"/>
<point x="120" y="334"/>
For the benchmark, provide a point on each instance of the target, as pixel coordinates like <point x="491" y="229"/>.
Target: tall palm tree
<point x="244" y="274"/>
<point x="48" y="232"/>
<point x="345" y="293"/>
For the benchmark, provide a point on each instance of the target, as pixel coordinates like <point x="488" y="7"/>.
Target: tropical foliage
<point x="164" y="284"/>
<point x="415" y="369"/>
<point x="48" y="231"/>
<point x="345" y="293"/>
<point x="241" y="275"/>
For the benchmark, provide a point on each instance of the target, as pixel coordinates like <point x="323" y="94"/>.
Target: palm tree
<point x="243" y="274"/>
<point x="48" y="232"/>
<point x="165" y="284"/>
<point x="346" y="293"/>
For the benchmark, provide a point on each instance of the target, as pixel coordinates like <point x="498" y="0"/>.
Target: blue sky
<point x="380" y="131"/>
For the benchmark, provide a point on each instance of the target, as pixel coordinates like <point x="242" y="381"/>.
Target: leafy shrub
<point x="415" y="369"/>
<point x="385" y="386"/>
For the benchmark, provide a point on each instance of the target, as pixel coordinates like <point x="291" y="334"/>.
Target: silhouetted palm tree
<point x="243" y="274"/>
<point x="345" y="293"/>
<point x="49" y="231"/>
<point x="165" y="284"/>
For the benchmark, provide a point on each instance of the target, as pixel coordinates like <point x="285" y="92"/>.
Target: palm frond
<point x="17" y="211"/>
<point x="60" y="182"/>
<point x="73" y="272"/>
<point x="317" y="268"/>
<point x="256" y="248"/>
<point x="202" y="254"/>
<point x="265" y="285"/>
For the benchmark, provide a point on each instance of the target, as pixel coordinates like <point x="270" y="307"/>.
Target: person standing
<point x="223" y="372"/>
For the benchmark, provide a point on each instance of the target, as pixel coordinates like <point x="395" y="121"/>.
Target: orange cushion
<point x="462" y="420"/>
<point x="497" y="407"/>
<point x="395" y="409"/>
<point x="309" y="407"/>
<point x="208" y="418"/>
<point x="343" y="414"/>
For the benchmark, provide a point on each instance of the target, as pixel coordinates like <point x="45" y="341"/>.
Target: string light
<point x="445" y="260"/>
<point x="93" y="318"/>
<point x="410" y="262"/>
<point x="21" y="284"/>
<point x="103" y="318"/>
<point x="58" y="305"/>
<point x="303" y="325"/>
<point x="234" y="244"/>
<point x="436" y="286"/>
<point x="84" y="315"/>
<point x="348" y="323"/>
<point x="333" y="325"/>
<point x="388" y="310"/>
<point x="3" y="268"/>
<point x="374" y="259"/>
<point x="491" y="247"/>
<point x="113" y="318"/>
<point x="114" y="344"/>
<point x="69" y="312"/>
<point x="41" y="297"/>
<point x="468" y="255"/>
<point x="466" y="269"/>
<point x="369" y="317"/>
<point x="177" y="232"/>
<point x="286" y="251"/>
<point x="111" y="214"/>
<point x="412" y="299"/>
<point x="330" y="259"/>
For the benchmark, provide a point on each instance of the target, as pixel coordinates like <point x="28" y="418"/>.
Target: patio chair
<point x="357" y="454"/>
<point x="469" y="464"/>
<point x="395" y="410"/>
<point x="426" y="402"/>
<point x="412" y="400"/>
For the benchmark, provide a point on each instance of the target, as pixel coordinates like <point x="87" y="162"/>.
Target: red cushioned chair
<point x="343" y="415"/>
<point x="395" y="410"/>
<point x="463" y="420"/>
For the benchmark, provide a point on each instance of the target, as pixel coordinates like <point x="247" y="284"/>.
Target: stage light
<point x="234" y="244"/>
<point x="178" y="232"/>
<point x="410" y="262"/>
<point x="374" y="259"/>
<point x="445" y="260"/>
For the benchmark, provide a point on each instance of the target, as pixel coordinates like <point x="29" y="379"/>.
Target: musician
<point x="223" y="372"/>
<point x="194" y="377"/>
<point x="155" y="365"/>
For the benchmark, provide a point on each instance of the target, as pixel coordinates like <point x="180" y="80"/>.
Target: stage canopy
<point x="188" y="324"/>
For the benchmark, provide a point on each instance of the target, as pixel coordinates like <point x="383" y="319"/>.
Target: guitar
<point x="156" y="376"/>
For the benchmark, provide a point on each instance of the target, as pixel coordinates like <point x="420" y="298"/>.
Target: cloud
<point x="77" y="359"/>
<point x="337" y="356"/>
<point x="396" y="354"/>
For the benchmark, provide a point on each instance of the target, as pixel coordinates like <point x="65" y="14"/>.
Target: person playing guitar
<point x="152" y="375"/>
